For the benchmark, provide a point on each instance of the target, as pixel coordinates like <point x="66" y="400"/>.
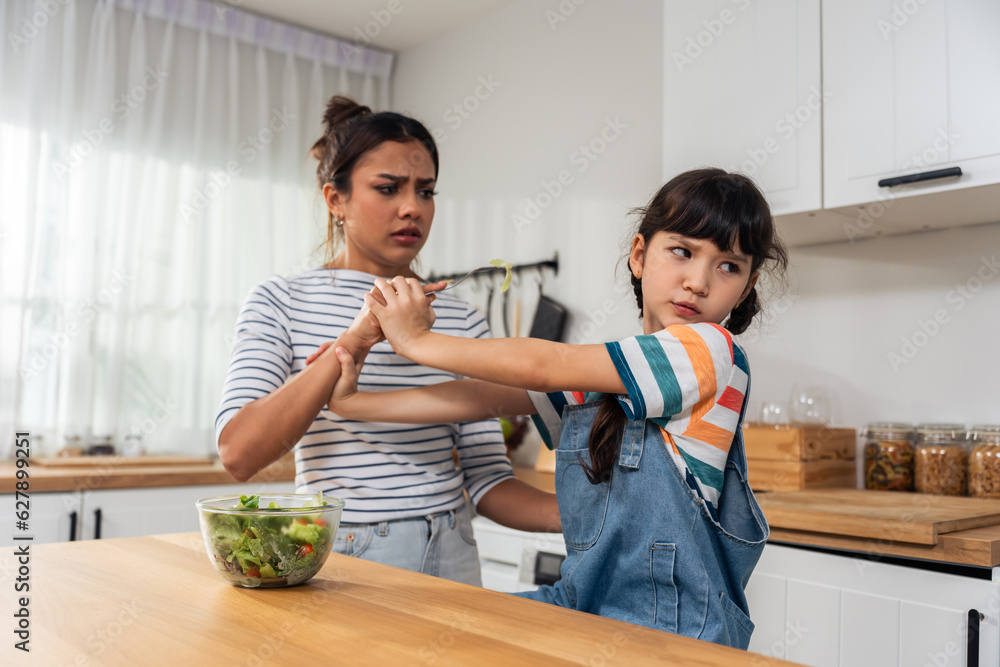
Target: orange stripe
<point x="670" y="441"/>
<point x="711" y="434"/>
<point x="704" y="369"/>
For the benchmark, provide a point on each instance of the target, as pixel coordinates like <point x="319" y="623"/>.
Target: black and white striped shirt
<point x="382" y="471"/>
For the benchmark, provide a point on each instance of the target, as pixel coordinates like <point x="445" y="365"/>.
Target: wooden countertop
<point x="979" y="547"/>
<point x="956" y="530"/>
<point x="120" y="472"/>
<point x="157" y="600"/>
<point x="123" y="473"/>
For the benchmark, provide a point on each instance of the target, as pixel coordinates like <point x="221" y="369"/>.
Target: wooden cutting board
<point x="118" y="461"/>
<point x="882" y="515"/>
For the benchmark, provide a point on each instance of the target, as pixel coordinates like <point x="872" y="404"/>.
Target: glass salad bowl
<point x="269" y="541"/>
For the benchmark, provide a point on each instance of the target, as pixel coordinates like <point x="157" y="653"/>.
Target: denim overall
<point x="642" y="547"/>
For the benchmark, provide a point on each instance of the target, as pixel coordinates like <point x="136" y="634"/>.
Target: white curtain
<point x="153" y="167"/>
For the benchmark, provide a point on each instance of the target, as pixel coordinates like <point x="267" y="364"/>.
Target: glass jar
<point x="941" y="460"/>
<point x="889" y="456"/>
<point x="984" y="461"/>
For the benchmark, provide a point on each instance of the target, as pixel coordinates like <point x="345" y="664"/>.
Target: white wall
<point x="553" y="90"/>
<point x="847" y="307"/>
<point x="843" y="321"/>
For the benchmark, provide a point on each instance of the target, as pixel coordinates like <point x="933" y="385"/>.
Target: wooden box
<point x="789" y="458"/>
<point x="782" y="442"/>
<point x="767" y="475"/>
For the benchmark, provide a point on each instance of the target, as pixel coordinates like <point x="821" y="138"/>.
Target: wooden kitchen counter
<point x="963" y="531"/>
<point x="158" y="601"/>
<point x="119" y="472"/>
<point x="979" y="547"/>
<point x="122" y="473"/>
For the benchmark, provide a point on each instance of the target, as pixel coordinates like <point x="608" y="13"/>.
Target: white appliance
<point x="513" y="560"/>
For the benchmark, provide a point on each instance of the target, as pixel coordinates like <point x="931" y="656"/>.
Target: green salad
<point x="269" y="550"/>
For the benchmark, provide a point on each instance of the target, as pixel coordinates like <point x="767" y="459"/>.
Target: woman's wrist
<point x="357" y="348"/>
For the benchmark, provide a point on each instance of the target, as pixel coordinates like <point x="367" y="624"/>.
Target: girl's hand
<point x="402" y="308"/>
<point x="365" y="328"/>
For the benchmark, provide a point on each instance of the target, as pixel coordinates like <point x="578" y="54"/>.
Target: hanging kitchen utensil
<point x="550" y="317"/>
<point x="489" y="303"/>
<point x="515" y="281"/>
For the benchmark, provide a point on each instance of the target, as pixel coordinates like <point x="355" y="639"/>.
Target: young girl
<point x="660" y="524"/>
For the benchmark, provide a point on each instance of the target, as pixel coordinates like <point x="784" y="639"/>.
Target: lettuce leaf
<point x="501" y="264"/>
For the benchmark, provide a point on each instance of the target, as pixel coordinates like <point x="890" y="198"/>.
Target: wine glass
<point x="809" y="404"/>
<point x="773" y="412"/>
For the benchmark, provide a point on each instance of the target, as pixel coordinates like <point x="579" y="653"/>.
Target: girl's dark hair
<point x="350" y="130"/>
<point x="725" y="208"/>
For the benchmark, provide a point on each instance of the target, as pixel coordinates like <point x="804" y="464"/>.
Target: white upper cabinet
<point x="912" y="88"/>
<point x="742" y="91"/>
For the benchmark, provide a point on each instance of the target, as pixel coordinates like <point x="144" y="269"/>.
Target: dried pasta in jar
<point x="941" y="461"/>
<point x="984" y="461"/>
<point x="889" y="457"/>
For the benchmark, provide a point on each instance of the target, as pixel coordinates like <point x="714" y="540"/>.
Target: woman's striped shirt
<point x="690" y="380"/>
<point x="382" y="471"/>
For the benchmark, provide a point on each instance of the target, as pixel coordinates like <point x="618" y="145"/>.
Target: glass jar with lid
<point x="941" y="460"/>
<point x="984" y="461"/>
<point x="889" y="456"/>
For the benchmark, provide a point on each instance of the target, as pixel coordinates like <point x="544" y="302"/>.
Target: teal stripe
<point x="705" y="473"/>
<point x="740" y="359"/>
<point x="663" y="373"/>
<point x="638" y="408"/>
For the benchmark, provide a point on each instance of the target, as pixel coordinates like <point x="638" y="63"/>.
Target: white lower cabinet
<point x="513" y="561"/>
<point x="53" y="517"/>
<point x="824" y="609"/>
<point x="85" y="515"/>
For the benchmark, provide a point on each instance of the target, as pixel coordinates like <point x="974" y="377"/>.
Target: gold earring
<point x="339" y="222"/>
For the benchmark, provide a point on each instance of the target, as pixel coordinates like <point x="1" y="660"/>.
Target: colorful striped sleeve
<point x="549" y="407"/>
<point x="675" y="376"/>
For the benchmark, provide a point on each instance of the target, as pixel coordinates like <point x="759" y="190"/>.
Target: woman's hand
<point x="365" y="328"/>
<point x="402" y="308"/>
<point x="322" y="348"/>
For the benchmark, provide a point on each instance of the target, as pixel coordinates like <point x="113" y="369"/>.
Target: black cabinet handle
<point x="972" y="638"/>
<point x="72" y="526"/>
<point x="97" y="524"/>
<point x="922" y="176"/>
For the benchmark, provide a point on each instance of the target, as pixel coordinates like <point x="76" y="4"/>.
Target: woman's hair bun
<point x="341" y="109"/>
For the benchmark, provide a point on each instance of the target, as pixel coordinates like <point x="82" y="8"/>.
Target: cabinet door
<point x="54" y="517"/>
<point x="822" y="609"/>
<point x="912" y="87"/>
<point x="136" y="512"/>
<point x="742" y="92"/>
<point x="767" y="597"/>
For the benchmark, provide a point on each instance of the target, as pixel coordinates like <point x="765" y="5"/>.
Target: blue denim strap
<point x="739" y="448"/>
<point x="631" y="448"/>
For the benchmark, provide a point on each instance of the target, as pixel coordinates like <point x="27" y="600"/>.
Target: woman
<point x="405" y="497"/>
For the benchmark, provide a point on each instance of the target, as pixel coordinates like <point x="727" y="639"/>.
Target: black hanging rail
<point x="516" y="268"/>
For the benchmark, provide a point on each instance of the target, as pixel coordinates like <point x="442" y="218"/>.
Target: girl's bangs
<point x="710" y="216"/>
